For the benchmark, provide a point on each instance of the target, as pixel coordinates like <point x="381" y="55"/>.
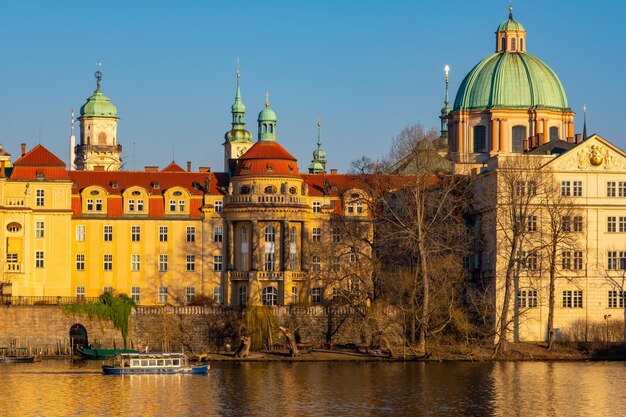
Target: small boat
<point x="16" y="355"/>
<point x="152" y="363"/>
<point x="88" y="353"/>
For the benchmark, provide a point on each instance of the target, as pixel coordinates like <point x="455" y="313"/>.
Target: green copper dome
<point x="511" y="24"/>
<point x="511" y="80"/>
<point x="98" y="105"/>
<point x="267" y="115"/>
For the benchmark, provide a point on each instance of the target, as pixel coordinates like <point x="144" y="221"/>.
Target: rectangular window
<point x="293" y="261"/>
<point x="269" y="261"/>
<point x="577" y="224"/>
<point x="39" y="260"/>
<point x="80" y="292"/>
<point x="139" y="205"/>
<point x="572" y="299"/>
<point x="99" y="204"/>
<point x="108" y="288"/>
<point x="80" y="262"/>
<point x="566" y="188"/>
<point x="218" y="234"/>
<point x="616" y="260"/>
<point x="135" y="292"/>
<point x="577" y="188"/>
<point x="316" y="295"/>
<point x="611" y="224"/>
<point x="181" y="206"/>
<point x="336" y="235"/>
<point x="316" y="263"/>
<point x="622" y="224"/>
<point x="610" y="189"/>
<point x="622" y="189"/>
<point x="530" y="260"/>
<point x="335" y="265"/>
<point x="295" y="295"/>
<point x="108" y="233"/>
<point x="525" y="298"/>
<point x="566" y="260"/>
<point x="39" y="232"/>
<point x="616" y="299"/>
<point x="566" y="223"/>
<point x="40" y="198"/>
<point x="190" y="293"/>
<point x="217" y="295"/>
<point x="162" y="295"/>
<point x="218" y="205"/>
<point x="577" y="260"/>
<point x="191" y="263"/>
<point x="172" y="205"/>
<point x="135" y="233"/>
<point x="89" y="204"/>
<point x="135" y="262"/>
<point x="191" y="234"/>
<point x="162" y="262"/>
<point x="317" y="234"/>
<point x="317" y="207"/>
<point x="80" y="233"/>
<point x="162" y="233"/>
<point x="218" y="263"/>
<point x="131" y="205"/>
<point x="531" y="187"/>
<point x="531" y="224"/>
<point x="108" y="262"/>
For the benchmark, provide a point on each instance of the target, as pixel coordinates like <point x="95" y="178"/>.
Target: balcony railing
<point x="14" y="267"/>
<point x="99" y="148"/>
<point x="14" y="201"/>
<point x="277" y="275"/>
<point x="274" y="199"/>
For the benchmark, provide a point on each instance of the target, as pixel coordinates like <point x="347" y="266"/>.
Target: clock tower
<point x="237" y="140"/>
<point x="98" y="149"/>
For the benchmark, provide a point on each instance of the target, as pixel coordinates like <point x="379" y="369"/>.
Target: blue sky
<point x="369" y="68"/>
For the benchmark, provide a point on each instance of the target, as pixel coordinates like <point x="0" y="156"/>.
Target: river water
<point x="64" y="388"/>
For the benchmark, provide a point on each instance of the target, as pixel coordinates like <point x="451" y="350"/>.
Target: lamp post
<point x="606" y="333"/>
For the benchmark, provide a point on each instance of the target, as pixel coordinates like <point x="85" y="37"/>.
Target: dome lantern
<point x="511" y="35"/>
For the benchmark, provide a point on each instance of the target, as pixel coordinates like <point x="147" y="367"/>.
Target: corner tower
<point x="237" y="140"/>
<point x="98" y="149"/>
<point x="318" y="164"/>
<point x="510" y="102"/>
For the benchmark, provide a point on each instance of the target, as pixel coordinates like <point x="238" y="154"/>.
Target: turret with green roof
<point x="318" y="164"/>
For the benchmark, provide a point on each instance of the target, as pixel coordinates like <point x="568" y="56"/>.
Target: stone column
<point x="284" y="245"/>
<point x="494" y="135"/>
<point x="304" y="257"/>
<point x="255" y="245"/>
<point x="460" y="138"/>
<point x="501" y="136"/>
<point x="230" y="236"/>
<point x="546" y="132"/>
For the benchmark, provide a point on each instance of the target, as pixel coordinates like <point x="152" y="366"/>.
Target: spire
<point x="318" y="164"/>
<point x="445" y="111"/>
<point x="238" y="132"/>
<point x="98" y="75"/>
<point x="585" y="122"/>
<point x="511" y="9"/>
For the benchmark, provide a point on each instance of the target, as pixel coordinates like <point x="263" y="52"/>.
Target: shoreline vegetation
<point x="516" y="352"/>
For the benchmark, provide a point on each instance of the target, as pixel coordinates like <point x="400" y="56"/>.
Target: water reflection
<point x="55" y="388"/>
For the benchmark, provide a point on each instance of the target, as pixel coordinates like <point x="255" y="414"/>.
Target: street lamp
<point x="606" y="334"/>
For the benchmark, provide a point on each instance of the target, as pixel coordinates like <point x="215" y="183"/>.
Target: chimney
<point x="333" y="171"/>
<point x="23" y="149"/>
<point x="188" y="166"/>
<point x="2" y="169"/>
<point x="578" y="136"/>
<point x="204" y="169"/>
<point x="98" y="168"/>
<point x="152" y="168"/>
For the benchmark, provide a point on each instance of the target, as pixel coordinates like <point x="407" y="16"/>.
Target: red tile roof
<point x="267" y="158"/>
<point x="173" y="167"/>
<point x="39" y="156"/>
<point x="39" y="163"/>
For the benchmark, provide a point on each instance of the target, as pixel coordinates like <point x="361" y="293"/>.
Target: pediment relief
<point x="592" y="155"/>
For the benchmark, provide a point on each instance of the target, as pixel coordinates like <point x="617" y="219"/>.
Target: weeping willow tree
<point x="115" y="309"/>
<point x="258" y="322"/>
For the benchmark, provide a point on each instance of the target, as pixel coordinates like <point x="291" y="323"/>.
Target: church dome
<point x="98" y="105"/>
<point x="511" y="80"/>
<point x="267" y="158"/>
<point x="511" y="24"/>
<point x="267" y="115"/>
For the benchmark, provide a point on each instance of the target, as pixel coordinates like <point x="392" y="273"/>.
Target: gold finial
<point x="511" y="9"/>
<point x="267" y="99"/>
<point x="447" y="71"/>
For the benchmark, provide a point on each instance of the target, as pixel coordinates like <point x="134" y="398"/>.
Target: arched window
<point x="292" y="235"/>
<point x="243" y="296"/>
<point x="554" y="133"/>
<point x="503" y="44"/>
<point x="270" y="234"/>
<point x="480" y="139"/>
<point x="521" y="44"/>
<point x="271" y="128"/>
<point x="519" y="136"/>
<point x="243" y="262"/>
<point x="512" y="44"/>
<point x="270" y="296"/>
<point x="264" y="127"/>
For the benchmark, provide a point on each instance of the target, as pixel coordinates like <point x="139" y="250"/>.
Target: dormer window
<point x="114" y="184"/>
<point x="245" y="190"/>
<point x="156" y="185"/>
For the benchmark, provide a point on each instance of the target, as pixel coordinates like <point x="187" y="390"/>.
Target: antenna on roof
<point x="173" y="159"/>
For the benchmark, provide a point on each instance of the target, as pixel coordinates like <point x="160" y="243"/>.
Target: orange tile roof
<point x="39" y="162"/>
<point x="173" y="167"/>
<point x="267" y="158"/>
<point x="39" y="156"/>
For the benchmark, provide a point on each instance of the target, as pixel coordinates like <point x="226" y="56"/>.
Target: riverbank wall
<point x="46" y="329"/>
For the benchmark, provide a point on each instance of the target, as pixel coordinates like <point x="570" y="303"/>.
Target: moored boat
<point x="16" y="355"/>
<point x="152" y="363"/>
<point x="88" y="353"/>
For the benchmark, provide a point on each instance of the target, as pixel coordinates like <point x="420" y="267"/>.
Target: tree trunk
<point x="551" y="300"/>
<point x="291" y="340"/>
<point x="244" y="347"/>
<point x="501" y="346"/>
<point x="421" y="345"/>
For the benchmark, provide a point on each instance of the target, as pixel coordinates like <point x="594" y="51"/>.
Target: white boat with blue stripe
<point x="152" y="363"/>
